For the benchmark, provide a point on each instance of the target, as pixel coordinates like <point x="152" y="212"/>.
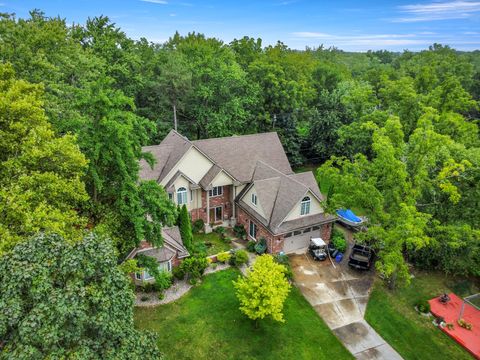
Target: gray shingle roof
<point x="172" y="237"/>
<point x="209" y="176"/>
<point x="172" y="244"/>
<point x="167" y="154"/>
<point x="239" y="154"/>
<point x="175" y="177"/>
<point x="278" y="194"/>
<point x="161" y="254"/>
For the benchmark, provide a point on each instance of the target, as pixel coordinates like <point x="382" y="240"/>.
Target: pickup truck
<point x="361" y="257"/>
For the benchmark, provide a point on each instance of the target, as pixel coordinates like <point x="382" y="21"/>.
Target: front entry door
<point x="216" y="214"/>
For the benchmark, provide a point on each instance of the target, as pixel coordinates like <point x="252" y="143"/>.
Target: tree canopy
<point x="68" y="300"/>
<point x="263" y="290"/>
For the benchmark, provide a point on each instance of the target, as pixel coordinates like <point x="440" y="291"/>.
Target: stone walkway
<point x="340" y="295"/>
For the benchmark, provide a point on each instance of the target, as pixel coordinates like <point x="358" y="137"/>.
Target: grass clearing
<point x="213" y="243"/>
<point x="207" y="324"/>
<point x="393" y="316"/>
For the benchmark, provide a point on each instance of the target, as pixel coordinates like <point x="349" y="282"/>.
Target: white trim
<point x="168" y="263"/>
<point x="250" y="223"/>
<point x="305" y="204"/>
<point x="214" y="208"/>
<point x="254" y="196"/>
<point x="293" y="208"/>
<point x="215" y="187"/>
<point x="144" y="276"/>
<point x="183" y="194"/>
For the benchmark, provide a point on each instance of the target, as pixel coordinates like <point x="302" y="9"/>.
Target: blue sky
<point x="348" y="25"/>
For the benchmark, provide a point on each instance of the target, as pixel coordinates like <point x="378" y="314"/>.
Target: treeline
<point x="397" y="135"/>
<point x="108" y="95"/>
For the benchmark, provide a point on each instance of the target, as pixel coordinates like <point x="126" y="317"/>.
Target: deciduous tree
<point x="68" y="300"/>
<point x="263" y="290"/>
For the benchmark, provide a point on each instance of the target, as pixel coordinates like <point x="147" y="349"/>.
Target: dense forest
<point x="394" y="135"/>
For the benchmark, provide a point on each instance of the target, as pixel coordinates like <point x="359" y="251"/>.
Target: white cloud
<point x="161" y="2"/>
<point x="438" y="11"/>
<point x="367" y="40"/>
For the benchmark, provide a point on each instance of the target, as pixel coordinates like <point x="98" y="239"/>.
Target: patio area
<point x="450" y="312"/>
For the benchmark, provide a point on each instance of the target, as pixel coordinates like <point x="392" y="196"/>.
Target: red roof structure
<point x="450" y="311"/>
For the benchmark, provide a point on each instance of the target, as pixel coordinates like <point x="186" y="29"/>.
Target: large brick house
<point x="241" y="180"/>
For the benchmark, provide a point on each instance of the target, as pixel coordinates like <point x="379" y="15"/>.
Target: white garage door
<point x="299" y="240"/>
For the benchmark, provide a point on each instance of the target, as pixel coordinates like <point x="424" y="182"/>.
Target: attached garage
<point x="299" y="239"/>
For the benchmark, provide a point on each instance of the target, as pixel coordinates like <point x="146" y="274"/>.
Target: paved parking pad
<point x="340" y="295"/>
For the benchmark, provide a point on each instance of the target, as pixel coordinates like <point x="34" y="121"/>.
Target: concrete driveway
<point x="340" y="296"/>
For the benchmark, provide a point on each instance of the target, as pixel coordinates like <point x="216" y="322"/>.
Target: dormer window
<point x="181" y="196"/>
<point x="254" y="199"/>
<point x="305" y="206"/>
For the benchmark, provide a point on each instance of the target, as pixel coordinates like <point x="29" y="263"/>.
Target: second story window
<point x="305" y="206"/>
<point x="216" y="191"/>
<point x="181" y="196"/>
<point x="254" y="199"/>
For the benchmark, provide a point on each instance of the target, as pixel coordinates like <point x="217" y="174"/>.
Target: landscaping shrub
<point x="240" y="231"/>
<point x="148" y="287"/>
<point x="227" y="239"/>
<point x="338" y="240"/>
<point x="178" y="273"/>
<point x="241" y="257"/>
<point x="197" y="226"/>
<point x="144" y="298"/>
<point x="423" y="306"/>
<point x="220" y="230"/>
<point x="194" y="266"/>
<point x="238" y="257"/>
<point x="161" y="296"/>
<point x="251" y="246"/>
<point x="283" y="259"/>
<point x="224" y="257"/>
<point x="340" y="244"/>
<point x="163" y="280"/>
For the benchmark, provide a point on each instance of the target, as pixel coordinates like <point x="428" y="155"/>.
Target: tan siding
<point x="248" y="199"/>
<point x="222" y="179"/>
<point x="193" y="164"/>
<point x="315" y="208"/>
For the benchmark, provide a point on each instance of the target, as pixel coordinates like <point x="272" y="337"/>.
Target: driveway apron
<point x="339" y="295"/>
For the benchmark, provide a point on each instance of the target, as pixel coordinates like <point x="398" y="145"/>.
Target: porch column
<point x="208" y="207"/>
<point x="234" y="195"/>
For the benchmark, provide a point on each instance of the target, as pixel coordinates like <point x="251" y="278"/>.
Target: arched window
<point x="181" y="196"/>
<point x="305" y="206"/>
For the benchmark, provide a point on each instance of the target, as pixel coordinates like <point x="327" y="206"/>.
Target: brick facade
<point x="224" y="200"/>
<point x="326" y="232"/>
<point x="274" y="242"/>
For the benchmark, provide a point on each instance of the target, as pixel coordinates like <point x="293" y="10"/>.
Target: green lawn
<point x="206" y="324"/>
<point x="214" y="244"/>
<point x="393" y="315"/>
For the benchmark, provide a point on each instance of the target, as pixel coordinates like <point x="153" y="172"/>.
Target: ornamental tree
<point x="68" y="300"/>
<point x="263" y="290"/>
<point x="185" y="227"/>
